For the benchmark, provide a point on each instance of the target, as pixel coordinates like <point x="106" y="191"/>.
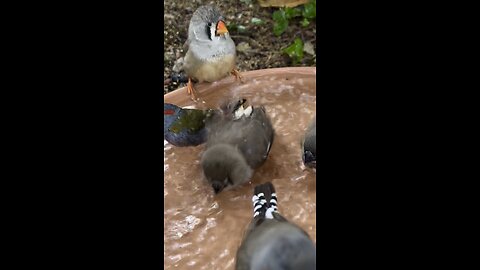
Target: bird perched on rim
<point x="239" y="141"/>
<point x="184" y="127"/>
<point x="309" y="145"/>
<point x="211" y="52"/>
<point x="271" y="242"/>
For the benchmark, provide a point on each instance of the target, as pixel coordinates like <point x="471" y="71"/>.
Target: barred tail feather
<point x="264" y="201"/>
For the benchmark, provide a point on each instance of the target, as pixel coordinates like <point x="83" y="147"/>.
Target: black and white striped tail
<point x="264" y="201"/>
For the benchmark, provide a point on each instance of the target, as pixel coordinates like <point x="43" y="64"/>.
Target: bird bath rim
<point x="180" y="95"/>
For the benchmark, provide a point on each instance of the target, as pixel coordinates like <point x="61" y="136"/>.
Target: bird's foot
<point x="237" y="75"/>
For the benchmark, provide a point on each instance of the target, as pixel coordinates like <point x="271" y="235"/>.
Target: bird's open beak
<point x="221" y="28"/>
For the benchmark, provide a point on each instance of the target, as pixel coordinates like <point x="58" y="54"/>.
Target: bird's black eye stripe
<point x="208" y="30"/>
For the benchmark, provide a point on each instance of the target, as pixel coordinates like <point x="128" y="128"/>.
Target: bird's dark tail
<point x="176" y="78"/>
<point x="264" y="200"/>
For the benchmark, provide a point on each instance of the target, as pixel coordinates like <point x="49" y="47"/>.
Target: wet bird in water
<point x="271" y="242"/>
<point x="211" y="53"/>
<point x="309" y="145"/>
<point x="239" y="141"/>
<point x="184" y="127"/>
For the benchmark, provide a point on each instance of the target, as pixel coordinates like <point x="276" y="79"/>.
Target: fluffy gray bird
<point x="238" y="142"/>
<point x="309" y="145"/>
<point x="211" y="51"/>
<point x="271" y="242"/>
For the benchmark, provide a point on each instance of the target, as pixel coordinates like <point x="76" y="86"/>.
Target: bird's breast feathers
<point x="213" y="69"/>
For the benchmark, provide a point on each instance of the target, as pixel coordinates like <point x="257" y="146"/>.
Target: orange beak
<point x="221" y="28"/>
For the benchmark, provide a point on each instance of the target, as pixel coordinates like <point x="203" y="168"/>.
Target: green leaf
<point x="257" y="21"/>
<point x="232" y="27"/>
<point x="241" y="29"/>
<point x="278" y="15"/>
<point x="295" y="51"/>
<point x="292" y="13"/>
<point x="310" y="10"/>
<point x="280" y="22"/>
<point x="305" y="22"/>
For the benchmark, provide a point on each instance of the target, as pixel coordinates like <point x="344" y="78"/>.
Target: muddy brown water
<point x="203" y="231"/>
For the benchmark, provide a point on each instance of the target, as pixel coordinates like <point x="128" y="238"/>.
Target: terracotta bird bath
<point x="203" y="230"/>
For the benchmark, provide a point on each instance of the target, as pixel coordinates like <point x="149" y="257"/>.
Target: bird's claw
<point x="237" y="75"/>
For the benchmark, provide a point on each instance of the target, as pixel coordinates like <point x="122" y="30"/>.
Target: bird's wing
<point x="191" y="120"/>
<point x="259" y="136"/>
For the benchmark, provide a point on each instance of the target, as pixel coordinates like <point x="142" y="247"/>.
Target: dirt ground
<point x="257" y="46"/>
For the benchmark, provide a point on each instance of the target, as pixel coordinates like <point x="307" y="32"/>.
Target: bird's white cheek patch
<point x="212" y="32"/>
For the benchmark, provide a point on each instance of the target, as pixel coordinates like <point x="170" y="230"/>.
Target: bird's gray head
<point x="208" y="24"/>
<point x="225" y="167"/>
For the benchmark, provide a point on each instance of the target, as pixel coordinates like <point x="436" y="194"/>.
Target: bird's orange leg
<point x="237" y="75"/>
<point x="191" y="91"/>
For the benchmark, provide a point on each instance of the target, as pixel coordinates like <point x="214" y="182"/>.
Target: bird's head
<point x="309" y="153"/>
<point x="211" y="20"/>
<point x="225" y="167"/>
<point x="309" y="159"/>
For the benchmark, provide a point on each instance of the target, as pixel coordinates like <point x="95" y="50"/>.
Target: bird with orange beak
<point x="211" y="53"/>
